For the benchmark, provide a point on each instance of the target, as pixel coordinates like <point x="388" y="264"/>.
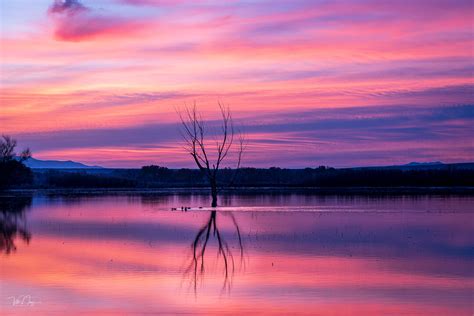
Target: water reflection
<point x="13" y="222"/>
<point x="196" y="268"/>
<point x="338" y="255"/>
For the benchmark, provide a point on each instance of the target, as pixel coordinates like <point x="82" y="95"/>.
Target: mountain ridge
<point x="69" y="164"/>
<point x="57" y="164"/>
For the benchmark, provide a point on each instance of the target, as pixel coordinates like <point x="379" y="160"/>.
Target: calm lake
<point x="278" y="253"/>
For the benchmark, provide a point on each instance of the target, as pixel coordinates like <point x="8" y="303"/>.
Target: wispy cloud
<point x="150" y="2"/>
<point x="341" y="137"/>
<point x="80" y="71"/>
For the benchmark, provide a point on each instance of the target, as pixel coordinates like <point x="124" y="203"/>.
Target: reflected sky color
<point x="328" y="255"/>
<point x="340" y="83"/>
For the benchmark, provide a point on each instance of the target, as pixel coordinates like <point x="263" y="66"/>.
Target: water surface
<point x="271" y="253"/>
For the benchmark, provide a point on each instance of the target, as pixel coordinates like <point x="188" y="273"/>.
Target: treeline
<point x="13" y="172"/>
<point x="161" y="177"/>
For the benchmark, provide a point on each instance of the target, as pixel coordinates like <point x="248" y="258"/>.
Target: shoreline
<point x="368" y="191"/>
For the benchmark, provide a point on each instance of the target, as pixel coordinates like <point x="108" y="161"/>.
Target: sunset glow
<point x="311" y="82"/>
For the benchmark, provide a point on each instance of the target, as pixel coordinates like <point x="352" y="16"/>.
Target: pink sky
<point x="340" y="83"/>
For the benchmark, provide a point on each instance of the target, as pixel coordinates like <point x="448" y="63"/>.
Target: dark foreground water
<point x="274" y="253"/>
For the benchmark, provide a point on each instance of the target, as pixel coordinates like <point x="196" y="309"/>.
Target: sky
<point x="338" y="83"/>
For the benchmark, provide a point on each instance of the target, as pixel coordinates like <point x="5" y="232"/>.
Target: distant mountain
<point x="414" y="163"/>
<point x="438" y="165"/>
<point x="57" y="164"/>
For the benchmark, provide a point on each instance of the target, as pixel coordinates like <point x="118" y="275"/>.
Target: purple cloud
<point x="67" y="6"/>
<point x="75" y="22"/>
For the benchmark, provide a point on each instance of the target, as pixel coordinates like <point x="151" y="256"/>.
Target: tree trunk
<point x="214" y="193"/>
<point x="214" y="198"/>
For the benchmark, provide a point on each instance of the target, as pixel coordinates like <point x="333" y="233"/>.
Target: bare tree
<point x="209" y="157"/>
<point x="7" y="150"/>
<point x="25" y="154"/>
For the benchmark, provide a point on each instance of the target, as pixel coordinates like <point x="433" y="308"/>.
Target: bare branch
<point x="209" y="159"/>
<point x="7" y="150"/>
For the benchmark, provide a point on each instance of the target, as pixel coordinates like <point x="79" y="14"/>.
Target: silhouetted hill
<point x="56" y="164"/>
<point x="414" y="163"/>
<point x="424" y="166"/>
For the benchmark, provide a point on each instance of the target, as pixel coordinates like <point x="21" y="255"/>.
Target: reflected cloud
<point x="309" y="254"/>
<point x="13" y="224"/>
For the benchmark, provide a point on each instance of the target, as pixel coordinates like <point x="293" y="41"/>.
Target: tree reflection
<point x="13" y="222"/>
<point x="196" y="268"/>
